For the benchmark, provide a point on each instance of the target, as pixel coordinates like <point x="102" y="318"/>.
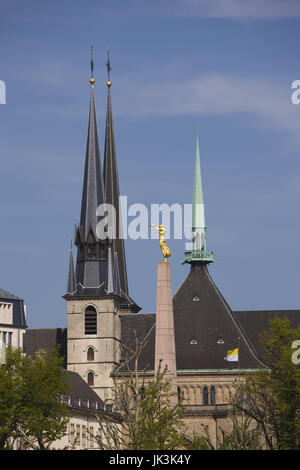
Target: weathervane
<point x="108" y="83"/>
<point x="92" y="80"/>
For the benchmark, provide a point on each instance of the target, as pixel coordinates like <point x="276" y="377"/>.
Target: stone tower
<point x="97" y="289"/>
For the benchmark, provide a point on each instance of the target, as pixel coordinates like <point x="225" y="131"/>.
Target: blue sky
<point x="224" y="66"/>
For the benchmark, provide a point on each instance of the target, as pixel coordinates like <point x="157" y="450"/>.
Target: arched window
<point x="90" y="354"/>
<point x="212" y="396"/>
<point x="90" y="379"/>
<point x="90" y="321"/>
<point x="205" y="396"/>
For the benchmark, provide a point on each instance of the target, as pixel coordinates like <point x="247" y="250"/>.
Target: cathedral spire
<point x="198" y="252"/>
<point x="100" y="264"/>
<point x="112" y="191"/>
<point x="90" y="265"/>
<point x="92" y="193"/>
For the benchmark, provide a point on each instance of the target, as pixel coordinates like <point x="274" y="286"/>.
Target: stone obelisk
<point x="165" y="354"/>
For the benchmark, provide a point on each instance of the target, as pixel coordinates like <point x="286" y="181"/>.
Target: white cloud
<point x="266" y="103"/>
<point x="239" y="9"/>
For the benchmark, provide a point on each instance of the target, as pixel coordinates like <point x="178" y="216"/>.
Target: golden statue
<point x="162" y="241"/>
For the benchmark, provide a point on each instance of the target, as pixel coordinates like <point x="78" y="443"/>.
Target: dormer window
<point x="193" y="341"/>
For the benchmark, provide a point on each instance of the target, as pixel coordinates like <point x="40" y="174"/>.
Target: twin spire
<point x="101" y="264"/>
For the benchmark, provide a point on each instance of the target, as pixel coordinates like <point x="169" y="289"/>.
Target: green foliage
<point x="149" y="419"/>
<point x="244" y="434"/>
<point x="159" y="425"/>
<point x="271" y="397"/>
<point x="12" y="399"/>
<point x="30" y="398"/>
<point x="198" y="442"/>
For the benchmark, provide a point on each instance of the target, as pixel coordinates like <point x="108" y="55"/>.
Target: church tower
<point x="205" y="325"/>
<point x="97" y="288"/>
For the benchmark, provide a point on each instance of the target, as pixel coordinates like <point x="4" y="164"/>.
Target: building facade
<point x="101" y="315"/>
<point x="12" y="321"/>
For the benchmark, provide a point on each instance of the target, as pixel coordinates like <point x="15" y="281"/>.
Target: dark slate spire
<point x="92" y="193"/>
<point x="71" y="287"/>
<point x="100" y="265"/>
<point x="91" y="253"/>
<point x="112" y="192"/>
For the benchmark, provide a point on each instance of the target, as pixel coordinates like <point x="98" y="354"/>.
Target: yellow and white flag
<point x="232" y="355"/>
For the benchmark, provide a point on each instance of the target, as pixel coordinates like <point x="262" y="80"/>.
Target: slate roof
<point x="82" y="397"/>
<point x="206" y="329"/>
<point x="45" y="338"/>
<point x="4" y="294"/>
<point x="209" y="323"/>
<point x="255" y="322"/>
<point x="19" y="318"/>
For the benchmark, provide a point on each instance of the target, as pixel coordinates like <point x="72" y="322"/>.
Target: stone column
<point x="164" y="334"/>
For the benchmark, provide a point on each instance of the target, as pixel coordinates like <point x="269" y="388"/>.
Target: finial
<point x="92" y="80"/>
<point x="108" y="83"/>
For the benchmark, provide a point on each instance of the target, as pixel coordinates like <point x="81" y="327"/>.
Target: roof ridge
<point x="4" y="294"/>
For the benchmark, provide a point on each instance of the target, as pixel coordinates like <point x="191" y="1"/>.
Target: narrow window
<point x="90" y="379"/>
<point x="91" y="436"/>
<point x="90" y="321"/>
<point x="83" y="436"/>
<point x="205" y="396"/>
<point x="212" y="396"/>
<point x="90" y="354"/>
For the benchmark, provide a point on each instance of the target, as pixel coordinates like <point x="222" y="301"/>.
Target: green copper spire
<point x="198" y="253"/>
<point x="198" y="219"/>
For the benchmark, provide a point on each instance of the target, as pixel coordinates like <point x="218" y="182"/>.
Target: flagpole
<point x="239" y="366"/>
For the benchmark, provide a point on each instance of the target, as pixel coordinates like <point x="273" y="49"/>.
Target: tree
<point x="242" y="435"/>
<point x="147" y="418"/>
<point x="12" y="399"/>
<point x="271" y="396"/>
<point x="30" y="398"/>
